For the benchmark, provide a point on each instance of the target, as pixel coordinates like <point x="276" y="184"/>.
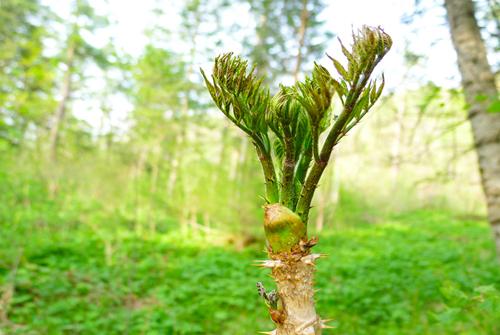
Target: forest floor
<point x="422" y="272"/>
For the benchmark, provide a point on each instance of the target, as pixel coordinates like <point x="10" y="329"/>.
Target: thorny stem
<point x="241" y="98"/>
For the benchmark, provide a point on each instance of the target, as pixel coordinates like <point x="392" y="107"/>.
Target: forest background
<point x="129" y="205"/>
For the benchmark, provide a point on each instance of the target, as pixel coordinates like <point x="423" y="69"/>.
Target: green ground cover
<point x="421" y="272"/>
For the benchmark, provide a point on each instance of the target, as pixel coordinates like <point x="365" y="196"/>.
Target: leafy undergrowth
<point x="417" y="273"/>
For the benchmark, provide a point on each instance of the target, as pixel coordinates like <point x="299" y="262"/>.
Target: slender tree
<point x="289" y="34"/>
<point x="285" y="130"/>
<point x="27" y="73"/>
<point x="481" y="95"/>
<point x="77" y="52"/>
<point x="159" y="83"/>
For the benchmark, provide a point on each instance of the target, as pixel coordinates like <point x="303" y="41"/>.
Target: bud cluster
<point x="286" y="128"/>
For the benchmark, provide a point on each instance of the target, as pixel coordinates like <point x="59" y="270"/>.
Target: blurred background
<point x="130" y="205"/>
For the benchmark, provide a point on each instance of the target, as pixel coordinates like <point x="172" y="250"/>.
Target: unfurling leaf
<point x="286" y="128"/>
<point x="340" y="69"/>
<point x="381" y="87"/>
<point x="341" y="91"/>
<point x="238" y="93"/>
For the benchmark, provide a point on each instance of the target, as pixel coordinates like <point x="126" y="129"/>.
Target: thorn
<point x="309" y="259"/>
<point x="316" y="256"/>
<point x="321" y="255"/>
<point x="268" y="264"/>
<point x="324" y="325"/>
<point x="308" y="262"/>
<point x="273" y="332"/>
<point x="305" y="245"/>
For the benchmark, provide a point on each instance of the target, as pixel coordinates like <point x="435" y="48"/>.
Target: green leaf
<point x="381" y="87"/>
<point x="346" y="53"/>
<point x="361" y="105"/>
<point x="341" y="90"/>
<point x="373" y="93"/>
<point x="279" y="149"/>
<point x="340" y="69"/>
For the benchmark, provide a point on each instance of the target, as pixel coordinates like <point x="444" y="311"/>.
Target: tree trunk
<point x="480" y="91"/>
<point x="259" y="55"/>
<point x="177" y="160"/>
<point x="61" y="107"/>
<point x="304" y="17"/>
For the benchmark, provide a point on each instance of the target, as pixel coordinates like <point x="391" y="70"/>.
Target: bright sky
<point x="428" y="36"/>
<point x="432" y="39"/>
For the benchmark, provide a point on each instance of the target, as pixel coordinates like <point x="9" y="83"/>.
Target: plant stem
<point x="272" y="195"/>
<point x="294" y="281"/>
<point x="337" y="131"/>
<point x="288" y="187"/>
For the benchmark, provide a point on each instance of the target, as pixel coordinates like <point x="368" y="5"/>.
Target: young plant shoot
<point x="294" y="133"/>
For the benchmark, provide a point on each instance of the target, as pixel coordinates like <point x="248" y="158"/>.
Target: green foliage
<point x="395" y="275"/>
<point x="422" y="272"/>
<point x="238" y="93"/>
<point x="42" y="54"/>
<point x="157" y="88"/>
<point x="315" y="96"/>
<point x="28" y="75"/>
<point x="276" y="43"/>
<point x="149" y="225"/>
<point x="84" y="20"/>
